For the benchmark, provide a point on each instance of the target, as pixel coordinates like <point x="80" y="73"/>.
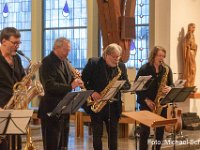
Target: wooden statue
<point x="117" y="23"/>
<point x="189" y="54"/>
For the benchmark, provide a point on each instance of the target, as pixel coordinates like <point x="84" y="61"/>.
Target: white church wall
<point x="171" y="20"/>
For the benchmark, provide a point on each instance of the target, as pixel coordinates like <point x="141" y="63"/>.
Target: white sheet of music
<point x="179" y="83"/>
<point x="18" y="122"/>
<point x="139" y="84"/>
<point x="111" y="93"/>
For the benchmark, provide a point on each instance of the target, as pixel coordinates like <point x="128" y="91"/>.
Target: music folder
<point x="141" y="84"/>
<point x="113" y="90"/>
<point x="177" y="95"/>
<point x="71" y="103"/>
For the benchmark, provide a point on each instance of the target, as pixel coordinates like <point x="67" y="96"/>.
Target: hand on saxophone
<point x="166" y="89"/>
<point x="78" y="74"/>
<point x="96" y="96"/>
<point x="150" y="104"/>
<point x="76" y="83"/>
<point x="29" y="83"/>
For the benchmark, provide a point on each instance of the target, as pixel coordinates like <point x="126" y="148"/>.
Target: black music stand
<point x="14" y="122"/>
<point x="176" y="95"/>
<point x="110" y="97"/>
<point x="68" y="105"/>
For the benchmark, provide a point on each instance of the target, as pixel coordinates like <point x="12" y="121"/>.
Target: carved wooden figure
<point x="189" y="54"/>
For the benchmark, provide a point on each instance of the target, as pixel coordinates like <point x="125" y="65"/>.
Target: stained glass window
<point x="67" y="18"/>
<point x="140" y="46"/>
<point x="17" y="13"/>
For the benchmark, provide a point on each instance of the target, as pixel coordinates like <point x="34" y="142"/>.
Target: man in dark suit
<point x="11" y="71"/>
<point x="57" y="80"/>
<point x="97" y="74"/>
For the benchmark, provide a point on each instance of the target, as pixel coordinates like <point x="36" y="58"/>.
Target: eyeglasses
<point x="115" y="57"/>
<point x="15" y="43"/>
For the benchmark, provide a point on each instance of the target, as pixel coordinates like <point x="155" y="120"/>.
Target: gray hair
<point x="112" y="48"/>
<point x="59" y="42"/>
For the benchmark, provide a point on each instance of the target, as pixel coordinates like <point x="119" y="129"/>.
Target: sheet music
<point x="18" y="122"/>
<point x="139" y="84"/>
<point x="70" y="103"/>
<point x="3" y="119"/>
<point x="179" y="83"/>
<point x="111" y="93"/>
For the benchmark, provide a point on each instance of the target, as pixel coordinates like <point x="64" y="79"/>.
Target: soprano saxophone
<point x="77" y="75"/>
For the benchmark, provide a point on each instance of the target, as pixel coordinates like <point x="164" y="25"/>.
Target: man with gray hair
<point x="97" y="75"/>
<point x="57" y="80"/>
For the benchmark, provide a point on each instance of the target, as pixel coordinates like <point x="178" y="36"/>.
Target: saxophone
<point x="160" y="95"/>
<point x="77" y="75"/>
<point x="98" y="105"/>
<point x="23" y="93"/>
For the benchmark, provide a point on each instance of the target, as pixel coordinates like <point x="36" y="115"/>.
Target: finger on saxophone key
<point x="96" y="96"/>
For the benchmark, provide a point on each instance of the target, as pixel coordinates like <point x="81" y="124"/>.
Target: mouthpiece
<point x="22" y="54"/>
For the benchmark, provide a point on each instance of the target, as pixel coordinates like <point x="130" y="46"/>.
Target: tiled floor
<point x="192" y="142"/>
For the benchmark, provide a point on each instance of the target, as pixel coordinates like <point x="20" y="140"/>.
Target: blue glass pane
<point x="25" y="46"/>
<point x="19" y="14"/>
<point x="54" y="13"/>
<point x="73" y="27"/>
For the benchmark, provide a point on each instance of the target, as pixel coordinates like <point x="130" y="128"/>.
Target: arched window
<point x="67" y="18"/>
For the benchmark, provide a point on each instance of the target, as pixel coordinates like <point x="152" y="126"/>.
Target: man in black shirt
<point x="97" y="74"/>
<point x="57" y="80"/>
<point x="11" y="70"/>
<point x="146" y="99"/>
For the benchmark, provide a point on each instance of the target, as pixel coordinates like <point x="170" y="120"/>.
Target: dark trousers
<point x="5" y="144"/>
<point x="110" y="118"/>
<point x="53" y="131"/>
<point x="145" y="131"/>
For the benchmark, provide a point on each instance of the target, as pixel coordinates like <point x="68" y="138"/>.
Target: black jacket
<point x="96" y="76"/>
<point x="56" y="82"/>
<point x="151" y="92"/>
<point x="8" y="77"/>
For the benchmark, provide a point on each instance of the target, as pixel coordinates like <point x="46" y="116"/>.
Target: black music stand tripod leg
<point x="68" y="105"/>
